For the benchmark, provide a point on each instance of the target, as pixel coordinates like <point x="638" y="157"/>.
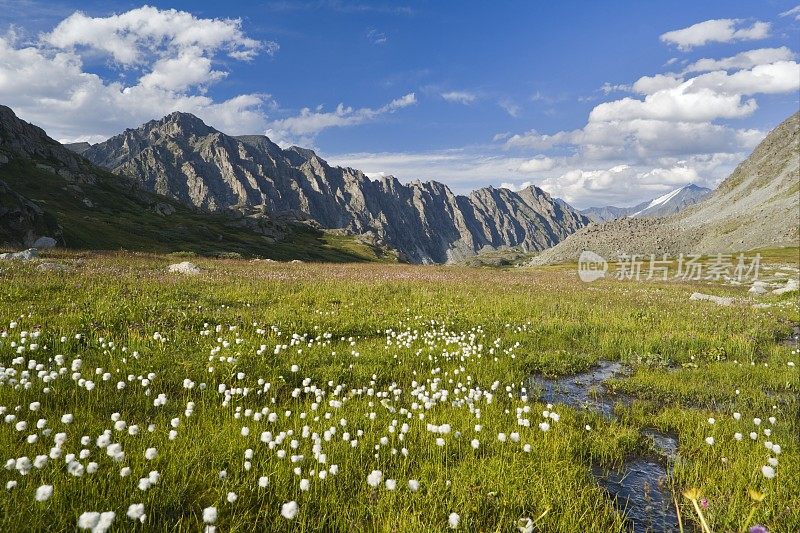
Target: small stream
<point x="639" y="487"/>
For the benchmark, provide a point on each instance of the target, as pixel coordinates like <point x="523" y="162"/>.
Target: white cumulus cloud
<point x="171" y="54"/>
<point x="716" y="30"/>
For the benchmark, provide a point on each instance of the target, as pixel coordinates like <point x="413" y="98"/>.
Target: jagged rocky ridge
<point x="182" y="158"/>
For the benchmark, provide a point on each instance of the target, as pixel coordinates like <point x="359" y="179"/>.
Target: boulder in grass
<point x="791" y="286"/>
<point x="26" y="255"/>
<point x="719" y="300"/>
<point x="185" y="267"/>
<point x="44" y="243"/>
<point x="759" y="287"/>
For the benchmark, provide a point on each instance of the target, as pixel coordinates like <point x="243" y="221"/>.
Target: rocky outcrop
<point x="757" y="206"/>
<point x="22" y="221"/>
<point x="182" y="158"/>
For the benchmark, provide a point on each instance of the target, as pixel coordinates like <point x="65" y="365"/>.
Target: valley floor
<point x="261" y="396"/>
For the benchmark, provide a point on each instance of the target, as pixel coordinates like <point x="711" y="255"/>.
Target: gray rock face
<point x="182" y="158"/>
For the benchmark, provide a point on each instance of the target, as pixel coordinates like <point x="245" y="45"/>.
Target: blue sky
<point x="466" y="93"/>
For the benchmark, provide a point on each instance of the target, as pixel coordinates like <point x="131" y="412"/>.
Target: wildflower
<point x="391" y="484"/>
<point x="758" y="528"/>
<point x="375" y="477"/>
<point x="711" y="421"/>
<point x="768" y="472"/>
<point x="263" y="481"/>
<point x="413" y="485"/>
<point x="544" y="426"/>
<point x="453" y="520"/>
<point x="210" y="515"/>
<point x="710" y="441"/>
<point x="475" y="443"/>
<point x="737" y="416"/>
<point x="305" y="484"/>
<point x="525" y="525"/>
<point x="289" y="510"/>
<point x="704" y="503"/>
<point x="150" y="454"/>
<point x="44" y="492"/>
<point x="737" y="436"/>
<point x="88" y="520"/>
<point x="755" y="495"/>
<point x="136" y="511"/>
<point x="231" y="497"/>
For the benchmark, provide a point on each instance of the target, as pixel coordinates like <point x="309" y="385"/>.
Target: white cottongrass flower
<point x="374" y="478"/>
<point x="711" y="421"/>
<point x="737" y="436"/>
<point x="768" y="472"/>
<point x="525" y="525"/>
<point x="88" y="520"/>
<point x="710" y="441"/>
<point x="391" y="484"/>
<point x="305" y="484"/>
<point x="263" y="481"/>
<point x="289" y="510"/>
<point x="737" y="416"/>
<point x="544" y="426"/>
<point x="475" y="443"/>
<point x="231" y="497"/>
<point x="210" y="515"/>
<point x="136" y="511"/>
<point x="413" y="485"/>
<point x="150" y="454"/>
<point x="44" y="492"/>
<point x="453" y="520"/>
<point x="97" y="522"/>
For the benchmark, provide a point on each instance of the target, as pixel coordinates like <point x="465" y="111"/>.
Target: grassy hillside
<point x="117" y="217"/>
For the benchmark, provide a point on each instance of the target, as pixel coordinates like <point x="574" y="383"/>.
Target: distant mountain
<point x="667" y="204"/>
<point x="78" y="148"/>
<point x="184" y="159"/>
<point x="47" y="190"/>
<point x="609" y="212"/>
<point x="757" y="206"/>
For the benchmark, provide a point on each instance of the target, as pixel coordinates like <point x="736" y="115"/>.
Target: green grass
<point x="463" y="329"/>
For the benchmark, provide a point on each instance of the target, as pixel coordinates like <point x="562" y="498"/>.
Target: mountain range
<point x="666" y="204"/>
<point x="177" y="184"/>
<point x="182" y="158"/>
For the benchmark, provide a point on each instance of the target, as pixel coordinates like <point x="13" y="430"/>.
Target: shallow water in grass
<point x="640" y="486"/>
